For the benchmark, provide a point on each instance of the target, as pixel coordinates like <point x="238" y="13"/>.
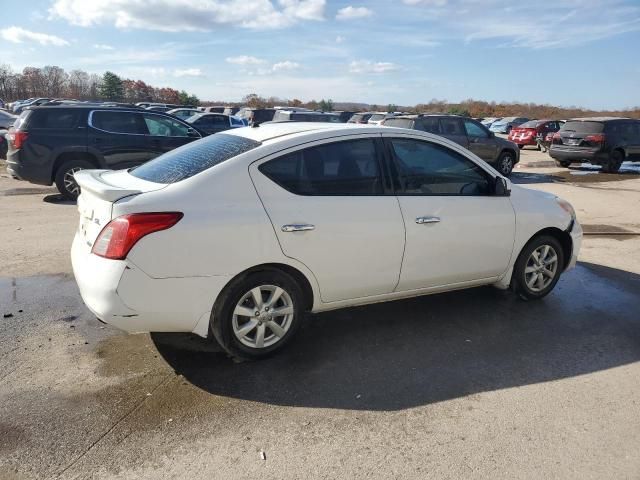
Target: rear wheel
<point x="520" y="147"/>
<point x="538" y="268"/>
<point x="64" y="179"/>
<point x="505" y="164"/>
<point x="562" y="163"/>
<point x="258" y="315"/>
<point x="614" y="163"/>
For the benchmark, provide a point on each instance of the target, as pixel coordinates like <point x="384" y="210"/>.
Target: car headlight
<point x="566" y="206"/>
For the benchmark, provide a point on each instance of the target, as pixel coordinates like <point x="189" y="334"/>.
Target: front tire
<point x="258" y="315"/>
<point x="64" y="180"/>
<point x="505" y="164"/>
<point x="538" y="268"/>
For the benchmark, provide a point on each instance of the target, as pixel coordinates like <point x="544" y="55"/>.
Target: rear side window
<point x="431" y="125"/>
<point x="55" y="118"/>
<point x="376" y="117"/>
<point x="341" y="168"/>
<point x="451" y="126"/>
<point x="160" y="126"/>
<point x="193" y="158"/>
<point x="118" y="122"/>
<point x="22" y="119"/>
<point x="583" y="127"/>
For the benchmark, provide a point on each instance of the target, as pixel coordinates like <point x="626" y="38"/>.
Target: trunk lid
<point x="99" y="190"/>
<point x="581" y="134"/>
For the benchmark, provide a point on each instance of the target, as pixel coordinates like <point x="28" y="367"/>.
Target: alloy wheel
<point x="506" y="164"/>
<point x="263" y="316"/>
<point x="70" y="183"/>
<point x="541" y="268"/>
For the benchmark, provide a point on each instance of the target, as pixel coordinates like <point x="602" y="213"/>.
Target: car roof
<point x="598" y="119"/>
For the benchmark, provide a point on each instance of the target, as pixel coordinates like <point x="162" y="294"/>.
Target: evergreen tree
<point x="111" y="88"/>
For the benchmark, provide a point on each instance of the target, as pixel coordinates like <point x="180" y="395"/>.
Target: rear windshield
<point x="22" y="119"/>
<point x="531" y="124"/>
<point x="583" y="127"/>
<point x="376" y="117"/>
<point x="398" y="122"/>
<point x="193" y="158"/>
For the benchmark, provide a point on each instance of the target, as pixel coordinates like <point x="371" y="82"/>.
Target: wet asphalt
<point x="468" y="384"/>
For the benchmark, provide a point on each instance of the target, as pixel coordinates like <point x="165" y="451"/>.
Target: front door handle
<point x="423" y="220"/>
<point x="298" y="227"/>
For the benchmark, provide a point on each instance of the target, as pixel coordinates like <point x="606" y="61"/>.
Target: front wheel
<point x="538" y="268"/>
<point x="258" y="315"/>
<point x="65" y="180"/>
<point x="505" y="163"/>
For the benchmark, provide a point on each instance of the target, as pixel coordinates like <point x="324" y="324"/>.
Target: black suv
<point x="48" y="144"/>
<point x="605" y="141"/>
<point x="501" y="154"/>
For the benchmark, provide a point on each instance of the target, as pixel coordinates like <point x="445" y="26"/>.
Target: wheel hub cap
<point x="541" y="268"/>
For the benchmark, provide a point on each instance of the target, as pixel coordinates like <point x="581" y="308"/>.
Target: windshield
<point x="377" y="116"/>
<point x="193" y="158"/>
<point x="507" y="120"/>
<point x="583" y="127"/>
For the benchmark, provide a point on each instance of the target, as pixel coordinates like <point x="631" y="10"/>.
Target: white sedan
<point x="239" y="234"/>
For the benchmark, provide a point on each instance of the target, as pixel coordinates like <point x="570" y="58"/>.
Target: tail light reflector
<point x="596" y="138"/>
<point x="119" y="236"/>
<point x="17" y="138"/>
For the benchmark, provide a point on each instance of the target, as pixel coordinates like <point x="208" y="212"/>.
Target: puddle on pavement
<point x="26" y="191"/>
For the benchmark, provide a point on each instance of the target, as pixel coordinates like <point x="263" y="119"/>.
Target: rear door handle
<point x="423" y="220"/>
<point x="298" y="227"/>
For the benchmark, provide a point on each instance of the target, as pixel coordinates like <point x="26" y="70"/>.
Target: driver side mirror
<point x="501" y="188"/>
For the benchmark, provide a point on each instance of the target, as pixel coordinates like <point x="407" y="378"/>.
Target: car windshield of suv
<point x="376" y="117"/>
<point x="193" y="158"/>
<point x="583" y="127"/>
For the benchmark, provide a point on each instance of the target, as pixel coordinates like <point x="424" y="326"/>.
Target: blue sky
<point x="565" y="52"/>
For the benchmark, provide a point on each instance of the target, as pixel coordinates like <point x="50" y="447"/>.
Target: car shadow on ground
<point x="414" y="352"/>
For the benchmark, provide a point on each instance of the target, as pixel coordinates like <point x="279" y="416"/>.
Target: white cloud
<point x="286" y="65"/>
<point x="102" y="46"/>
<point x="188" y="72"/>
<point x="367" y="66"/>
<point x="350" y="12"/>
<point x="510" y="24"/>
<point x="187" y="15"/>
<point x="340" y="39"/>
<point x="245" y="60"/>
<point x="20" y="35"/>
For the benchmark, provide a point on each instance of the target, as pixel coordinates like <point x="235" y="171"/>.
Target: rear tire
<point x="615" y="162"/>
<point x="538" y="268"/>
<point x="562" y="163"/>
<point x="64" y="180"/>
<point x="244" y="321"/>
<point x="520" y="147"/>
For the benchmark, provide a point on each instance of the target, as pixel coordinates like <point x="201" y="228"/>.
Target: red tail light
<point x="17" y="138"/>
<point x="119" y="236"/>
<point x="597" y="138"/>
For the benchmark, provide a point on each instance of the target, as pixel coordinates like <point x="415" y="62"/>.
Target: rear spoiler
<point x="92" y="181"/>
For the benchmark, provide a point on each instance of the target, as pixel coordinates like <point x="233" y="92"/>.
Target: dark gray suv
<point x="501" y="154"/>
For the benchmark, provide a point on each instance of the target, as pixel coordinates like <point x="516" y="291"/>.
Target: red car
<point x="527" y="133"/>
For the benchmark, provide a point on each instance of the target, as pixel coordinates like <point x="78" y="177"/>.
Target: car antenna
<point x="255" y="124"/>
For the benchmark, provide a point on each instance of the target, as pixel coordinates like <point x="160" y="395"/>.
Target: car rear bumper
<point x="119" y="293"/>
<point x="564" y="153"/>
<point x="16" y="167"/>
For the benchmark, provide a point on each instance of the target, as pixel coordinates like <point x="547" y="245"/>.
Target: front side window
<point x="424" y="168"/>
<point x="118" y="122"/>
<point x="159" y="126"/>
<point x="341" y="168"/>
<point x="474" y="130"/>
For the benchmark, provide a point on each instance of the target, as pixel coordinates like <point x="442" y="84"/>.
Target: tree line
<point x="54" y="82"/>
